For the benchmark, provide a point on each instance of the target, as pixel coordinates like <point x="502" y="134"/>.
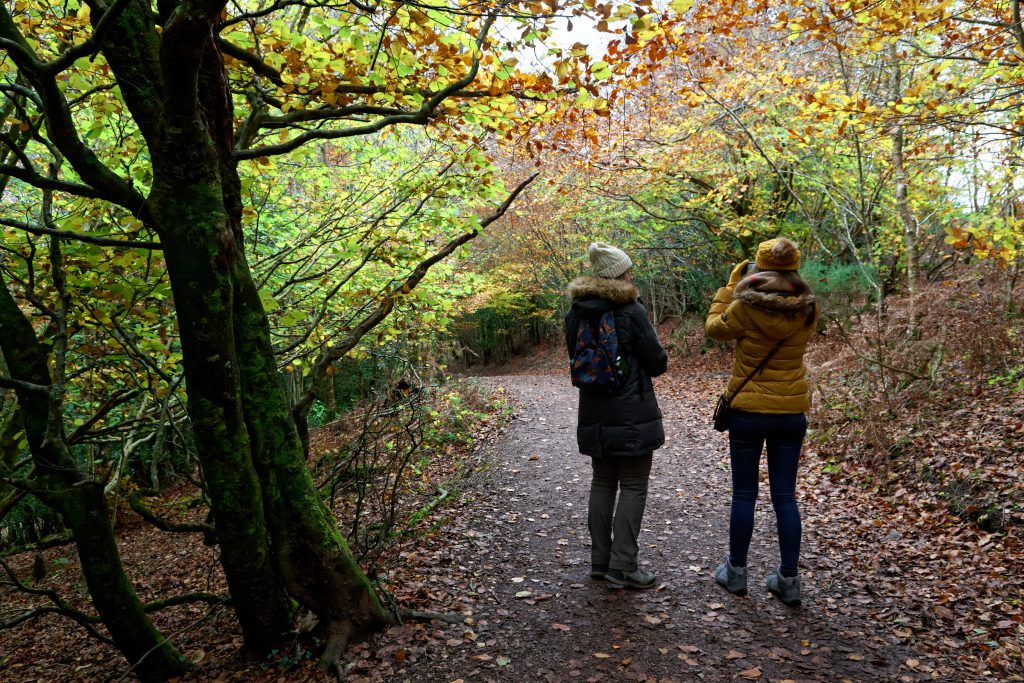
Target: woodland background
<point x="225" y="225"/>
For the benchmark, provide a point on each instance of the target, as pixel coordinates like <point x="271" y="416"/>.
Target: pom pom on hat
<point x="778" y="254"/>
<point x="607" y="261"/>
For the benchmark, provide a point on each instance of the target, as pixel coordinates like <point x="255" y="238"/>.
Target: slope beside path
<point x="537" y="616"/>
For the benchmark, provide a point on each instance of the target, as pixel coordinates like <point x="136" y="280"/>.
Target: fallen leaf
<point x="751" y="674"/>
<point x="733" y="654"/>
<point x="561" y="627"/>
<point x="601" y="655"/>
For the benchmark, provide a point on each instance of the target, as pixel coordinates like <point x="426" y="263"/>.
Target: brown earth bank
<point x="892" y="592"/>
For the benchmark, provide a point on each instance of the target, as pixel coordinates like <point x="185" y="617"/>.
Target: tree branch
<point x="166" y="525"/>
<point x="387" y="304"/>
<point x="173" y="601"/>
<point x="98" y="240"/>
<point x="84" y="620"/>
<point x="12" y="499"/>
<point x="91" y="45"/>
<point x="10" y="383"/>
<point x="43" y="183"/>
<point x="116" y="399"/>
<point x="422" y="116"/>
<point x="61" y="127"/>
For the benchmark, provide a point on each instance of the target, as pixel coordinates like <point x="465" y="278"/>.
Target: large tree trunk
<point x="158" y="73"/>
<point x="314" y="560"/>
<point x="200" y="249"/>
<point x="318" y="568"/>
<point x="79" y="499"/>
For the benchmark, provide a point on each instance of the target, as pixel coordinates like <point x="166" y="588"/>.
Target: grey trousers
<point x="614" y="540"/>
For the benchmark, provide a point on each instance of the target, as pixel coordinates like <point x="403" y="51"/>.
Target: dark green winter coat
<point x="627" y="422"/>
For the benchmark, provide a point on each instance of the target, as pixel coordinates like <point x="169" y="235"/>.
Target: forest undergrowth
<point x="390" y="469"/>
<point x="922" y="430"/>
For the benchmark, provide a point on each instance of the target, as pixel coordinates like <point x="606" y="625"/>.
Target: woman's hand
<point x="737" y="273"/>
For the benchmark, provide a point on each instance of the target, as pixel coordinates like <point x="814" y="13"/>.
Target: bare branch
<point x="84" y="620"/>
<point x="166" y="525"/>
<point x="208" y="598"/>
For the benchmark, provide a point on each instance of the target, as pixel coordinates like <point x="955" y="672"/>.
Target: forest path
<point x="539" y="617"/>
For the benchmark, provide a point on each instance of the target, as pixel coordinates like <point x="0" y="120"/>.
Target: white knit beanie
<point x="607" y="261"/>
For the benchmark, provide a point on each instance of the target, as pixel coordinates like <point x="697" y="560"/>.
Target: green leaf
<point x="600" y="70"/>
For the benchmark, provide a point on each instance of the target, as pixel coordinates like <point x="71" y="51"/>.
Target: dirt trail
<point x="539" y="617"/>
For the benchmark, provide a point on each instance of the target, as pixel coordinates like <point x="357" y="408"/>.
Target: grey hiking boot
<point x="598" y="571"/>
<point x="785" y="588"/>
<point x="732" y="579"/>
<point x="634" y="579"/>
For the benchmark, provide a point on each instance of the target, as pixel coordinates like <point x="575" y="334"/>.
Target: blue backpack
<point x="596" y="363"/>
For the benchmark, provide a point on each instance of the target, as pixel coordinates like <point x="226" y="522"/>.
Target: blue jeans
<point x="784" y="435"/>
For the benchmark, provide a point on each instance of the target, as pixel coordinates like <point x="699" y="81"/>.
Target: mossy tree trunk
<point x="277" y="537"/>
<point x="313" y="557"/>
<point x="187" y="208"/>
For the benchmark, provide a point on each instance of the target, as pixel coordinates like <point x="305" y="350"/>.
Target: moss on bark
<point x="318" y="568"/>
<point x="200" y="249"/>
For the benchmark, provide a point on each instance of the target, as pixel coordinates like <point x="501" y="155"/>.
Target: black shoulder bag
<point x="722" y="408"/>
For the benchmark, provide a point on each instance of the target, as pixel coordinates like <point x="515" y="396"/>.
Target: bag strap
<point x="759" y="368"/>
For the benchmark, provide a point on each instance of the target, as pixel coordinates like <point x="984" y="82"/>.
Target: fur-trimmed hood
<point x="618" y="292"/>
<point x="767" y="291"/>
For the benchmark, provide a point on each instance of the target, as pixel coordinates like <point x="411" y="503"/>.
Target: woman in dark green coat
<point x="619" y="430"/>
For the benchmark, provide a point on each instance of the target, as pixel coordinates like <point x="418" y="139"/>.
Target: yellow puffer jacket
<point x="762" y="312"/>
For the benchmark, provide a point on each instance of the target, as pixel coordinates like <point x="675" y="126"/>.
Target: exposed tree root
<point x="338" y="633"/>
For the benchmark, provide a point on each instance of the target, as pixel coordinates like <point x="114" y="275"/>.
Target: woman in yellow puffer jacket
<point x="758" y="309"/>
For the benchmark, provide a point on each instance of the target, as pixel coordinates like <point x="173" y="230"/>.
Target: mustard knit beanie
<point x="778" y="254"/>
<point x="607" y="261"/>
